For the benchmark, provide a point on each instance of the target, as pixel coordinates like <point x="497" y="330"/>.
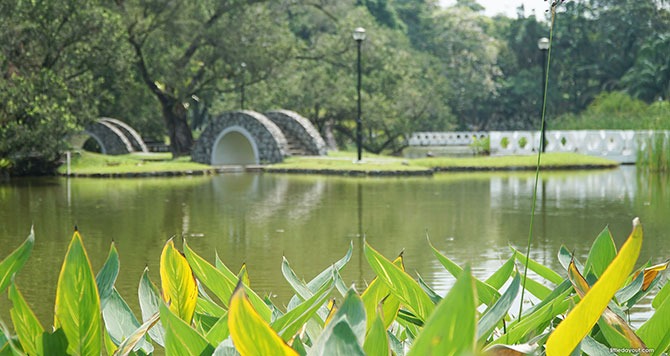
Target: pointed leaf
<point x="77" y="309"/>
<point x="450" y="330"/>
<point x="501" y="275"/>
<point x="542" y="270"/>
<point x="651" y="273"/>
<point x="601" y="254"/>
<point x="179" y="288"/>
<point x="378" y="291"/>
<point x="106" y="277"/>
<point x="662" y="295"/>
<point x="130" y="343"/>
<point x="655" y="330"/>
<point x="290" y="323"/>
<point x="26" y="325"/>
<point x="150" y="302"/>
<point x="400" y="283"/>
<point x="15" y="261"/>
<point x="586" y="313"/>
<point x="376" y="341"/>
<point x="219" y="331"/>
<point x="120" y="321"/>
<point x="251" y="334"/>
<point x="485" y="292"/>
<point x="220" y="284"/>
<point x="180" y="338"/>
<point x="497" y="312"/>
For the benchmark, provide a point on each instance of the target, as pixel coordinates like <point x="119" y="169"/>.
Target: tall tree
<point x="50" y="57"/>
<point x="184" y="49"/>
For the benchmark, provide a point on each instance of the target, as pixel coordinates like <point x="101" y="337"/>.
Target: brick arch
<point x="240" y="137"/>
<point x="115" y="137"/>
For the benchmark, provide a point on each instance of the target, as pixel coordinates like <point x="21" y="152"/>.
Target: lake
<point x="311" y="220"/>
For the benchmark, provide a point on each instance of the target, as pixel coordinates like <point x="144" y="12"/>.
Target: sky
<point x="508" y="7"/>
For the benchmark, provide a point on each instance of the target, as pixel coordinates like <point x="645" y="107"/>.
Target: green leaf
<point x="120" y="321"/>
<point x="290" y="323"/>
<point x="26" y="325"/>
<point x="345" y="333"/>
<point x="150" y="302"/>
<point x="486" y="293"/>
<point x="376" y="341"/>
<point x="586" y="313"/>
<point x="657" y="328"/>
<point x="497" y="312"/>
<point x="130" y="343"/>
<point x="15" y="261"/>
<point x="400" y="283"/>
<point x="250" y="333"/>
<point x="107" y="275"/>
<point x="220" y="283"/>
<point x="180" y="338"/>
<point x="501" y="275"/>
<point x="77" y="309"/>
<point x="450" y="330"/>
<point x="179" y="287"/>
<point x="662" y="295"/>
<point x="337" y="339"/>
<point x="219" y="331"/>
<point x="601" y="254"/>
<point x="542" y="270"/>
<point x="536" y="288"/>
<point x="531" y="323"/>
<point x="324" y="277"/>
<point x="378" y="291"/>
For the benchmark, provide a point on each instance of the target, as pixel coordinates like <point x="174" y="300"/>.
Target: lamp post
<point x="359" y="37"/>
<point x="543" y="45"/>
<point x="244" y="74"/>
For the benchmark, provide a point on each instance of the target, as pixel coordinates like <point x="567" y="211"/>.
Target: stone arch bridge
<point x="248" y="137"/>
<point x="233" y="138"/>
<point x="114" y="137"/>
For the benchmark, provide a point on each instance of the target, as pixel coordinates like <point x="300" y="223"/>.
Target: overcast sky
<point x="508" y="7"/>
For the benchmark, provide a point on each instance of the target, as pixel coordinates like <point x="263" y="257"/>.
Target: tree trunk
<point x="176" y="121"/>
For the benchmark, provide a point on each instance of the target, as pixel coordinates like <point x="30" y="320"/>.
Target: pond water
<point x="258" y="218"/>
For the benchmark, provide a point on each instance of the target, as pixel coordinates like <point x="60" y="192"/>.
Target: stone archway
<point x="240" y="137"/>
<point x="115" y="137"/>
<point x="303" y="139"/>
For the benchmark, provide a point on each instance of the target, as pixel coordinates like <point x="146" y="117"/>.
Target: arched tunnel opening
<point x="234" y="148"/>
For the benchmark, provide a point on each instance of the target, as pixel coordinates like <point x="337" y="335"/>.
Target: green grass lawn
<point x="345" y="161"/>
<point x="94" y="163"/>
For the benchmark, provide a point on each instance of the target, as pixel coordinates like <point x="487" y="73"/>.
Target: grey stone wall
<point x="299" y="130"/>
<point x="270" y="140"/>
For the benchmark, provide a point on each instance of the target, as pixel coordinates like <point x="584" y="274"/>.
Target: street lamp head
<point x="543" y="44"/>
<point x="359" y="34"/>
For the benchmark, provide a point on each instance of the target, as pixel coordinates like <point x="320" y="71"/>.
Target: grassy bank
<point x="87" y="163"/>
<point x="84" y="163"/>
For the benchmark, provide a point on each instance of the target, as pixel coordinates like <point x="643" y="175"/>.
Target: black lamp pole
<point x="359" y="37"/>
<point x="244" y="74"/>
<point x="543" y="45"/>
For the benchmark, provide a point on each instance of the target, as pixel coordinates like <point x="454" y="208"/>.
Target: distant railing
<point x="619" y="145"/>
<point x="451" y="138"/>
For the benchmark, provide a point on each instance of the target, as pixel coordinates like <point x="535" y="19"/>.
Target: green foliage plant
<point x="396" y="313"/>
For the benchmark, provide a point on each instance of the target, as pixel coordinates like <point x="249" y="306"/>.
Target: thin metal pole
<point x="242" y="95"/>
<point x="544" y="91"/>
<point x="359" y="126"/>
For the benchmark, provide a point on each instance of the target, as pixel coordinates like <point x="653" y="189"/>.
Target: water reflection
<point x="257" y="219"/>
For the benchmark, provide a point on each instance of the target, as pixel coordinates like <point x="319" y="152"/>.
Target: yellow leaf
<point x="615" y="322"/>
<point x="179" y="288"/>
<point x="250" y="333"/>
<point x="651" y="273"/>
<point x="586" y="313"/>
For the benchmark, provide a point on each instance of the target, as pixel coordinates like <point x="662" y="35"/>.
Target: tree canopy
<point x="164" y="67"/>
